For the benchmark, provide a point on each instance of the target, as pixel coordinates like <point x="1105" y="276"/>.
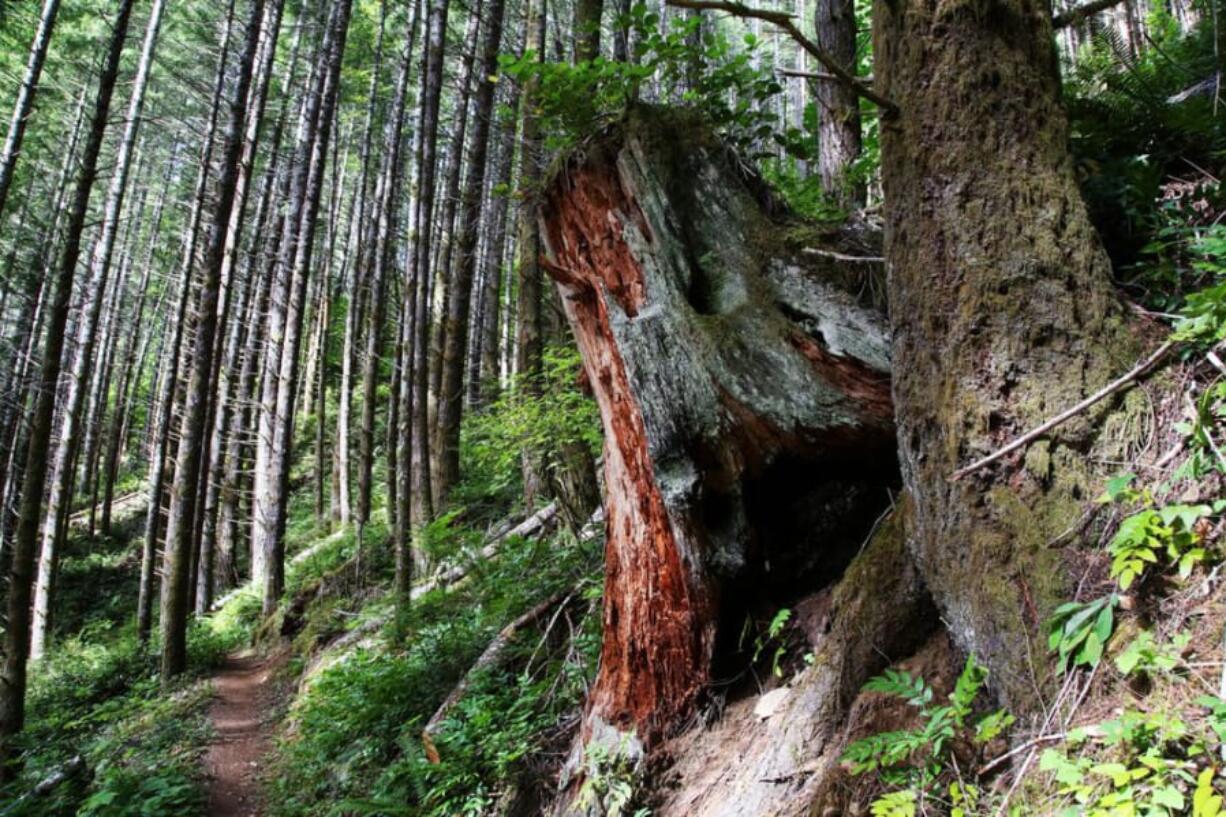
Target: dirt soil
<point x="246" y="697"/>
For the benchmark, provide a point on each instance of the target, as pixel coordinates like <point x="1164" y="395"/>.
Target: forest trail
<point x="239" y="714"/>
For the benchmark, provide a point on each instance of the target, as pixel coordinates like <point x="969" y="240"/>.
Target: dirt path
<point x="245" y="699"/>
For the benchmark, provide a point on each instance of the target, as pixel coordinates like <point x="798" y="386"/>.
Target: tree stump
<point x="742" y="374"/>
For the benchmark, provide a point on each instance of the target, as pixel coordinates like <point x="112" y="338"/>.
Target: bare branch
<point x="1074" y="16"/>
<point x="784" y="21"/>
<point x="1047" y="426"/>
<point x="818" y="75"/>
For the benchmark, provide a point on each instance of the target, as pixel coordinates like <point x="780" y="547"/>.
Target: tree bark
<point x="455" y="341"/>
<point x="75" y="391"/>
<point x="386" y="218"/>
<point x="488" y="382"/>
<point x="237" y="478"/>
<point x="1003" y="313"/>
<point x="358" y="284"/>
<point x="165" y="394"/>
<point x="422" y="508"/>
<point x="588" y="15"/>
<point x="17" y="629"/>
<point x="23" y="105"/>
<point x="285" y="334"/>
<point x="745" y="399"/>
<point x="838" y="106"/>
<point x="176" y="569"/>
<point x="110" y="467"/>
<point x="447" y="208"/>
<point x="222" y="403"/>
<point x="15" y="430"/>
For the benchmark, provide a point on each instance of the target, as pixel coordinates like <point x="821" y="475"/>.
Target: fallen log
<point x="744" y="388"/>
<point x="491" y="656"/>
<point x="534" y="525"/>
<point x="74" y="767"/>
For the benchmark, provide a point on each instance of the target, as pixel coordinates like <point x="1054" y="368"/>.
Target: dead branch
<point x="1047" y="426"/>
<point x="784" y="21"/>
<point x="75" y="766"/>
<point x="1030" y="744"/>
<point x="491" y="657"/>
<point x="818" y="75"/>
<point x="838" y="256"/>
<point x="1074" y="16"/>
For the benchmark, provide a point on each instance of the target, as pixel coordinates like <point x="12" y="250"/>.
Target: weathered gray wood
<point x="718" y="353"/>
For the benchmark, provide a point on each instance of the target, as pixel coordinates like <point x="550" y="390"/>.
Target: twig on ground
<point x="1030" y="744"/>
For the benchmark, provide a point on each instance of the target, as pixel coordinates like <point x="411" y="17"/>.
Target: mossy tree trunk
<point x="1003" y="314"/>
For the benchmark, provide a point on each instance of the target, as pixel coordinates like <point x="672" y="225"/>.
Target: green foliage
<point x="98" y="695"/>
<point x="1144" y="655"/>
<point x="1139" y="129"/>
<point x="918" y="758"/>
<point x="939" y="723"/>
<point x="577" y="100"/>
<point x="536" y="415"/>
<point x="1079" y="631"/>
<point x="1201" y="429"/>
<point x="894" y="804"/>
<point x="355" y="745"/>
<point x="1217" y="714"/>
<point x="1140" y="763"/>
<point x="1153" y="534"/>
<point x="802" y="193"/>
<point x="773" y="637"/>
<point x="610" y="778"/>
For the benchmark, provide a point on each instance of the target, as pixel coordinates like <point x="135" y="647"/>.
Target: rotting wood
<point x="731" y="371"/>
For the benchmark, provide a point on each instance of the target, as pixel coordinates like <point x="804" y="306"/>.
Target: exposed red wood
<point x="870" y="389"/>
<point x="658" y="622"/>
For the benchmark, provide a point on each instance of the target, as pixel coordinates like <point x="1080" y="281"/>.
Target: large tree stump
<point x="742" y="377"/>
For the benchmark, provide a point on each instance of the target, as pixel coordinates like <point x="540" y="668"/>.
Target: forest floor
<point x="246" y="697"/>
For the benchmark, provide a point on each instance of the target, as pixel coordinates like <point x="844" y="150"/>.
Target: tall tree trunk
<point x="21" y="568"/>
<point x="358" y="285"/>
<point x="838" y="107"/>
<point x="588" y="14"/>
<point x="113" y="326"/>
<point x="165" y="394"/>
<point x="455" y="349"/>
<point x="237" y="478"/>
<point x="528" y="322"/>
<point x="384" y="221"/>
<point x="442" y="274"/>
<point x="227" y="359"/>
<point x="729" y="467"/>
<point x="60" y="496"/>
<point x="422" y="508"/>
<point x="621" y="32"/>
<point x="23" y="105"/>
<point x="285" y="333"/>
<point x="110" y="466"/>
<point x="1003" y="314"/>
<point x="15" y="465"/>
<point x="176" y="575"/>
<point x="495" y="253"/>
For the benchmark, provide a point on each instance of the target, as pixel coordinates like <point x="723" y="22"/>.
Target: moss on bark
<point x="1003" y="314"/>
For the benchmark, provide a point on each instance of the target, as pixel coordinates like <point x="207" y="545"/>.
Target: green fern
<point x="894" y="804"/>
<point x="901" y="684"/>
<point x="940" y="723"/>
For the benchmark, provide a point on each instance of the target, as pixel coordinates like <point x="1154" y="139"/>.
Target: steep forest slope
<point x="612" y="408"/>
